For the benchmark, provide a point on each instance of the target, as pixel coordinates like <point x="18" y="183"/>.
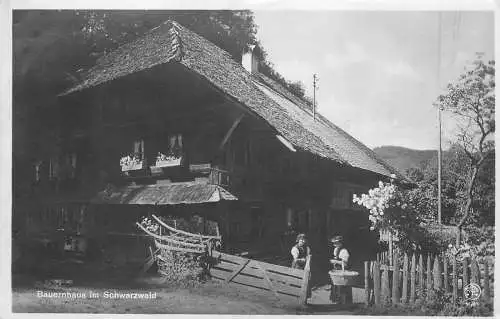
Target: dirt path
<point x="212" y="297"/>
<point x="208" y="298"/>
<point x="181" y="301"/>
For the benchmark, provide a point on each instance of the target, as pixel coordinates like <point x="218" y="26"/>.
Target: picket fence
<point x="420" y="273"/>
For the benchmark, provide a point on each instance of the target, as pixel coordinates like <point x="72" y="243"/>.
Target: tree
<point x="471" y="99"/>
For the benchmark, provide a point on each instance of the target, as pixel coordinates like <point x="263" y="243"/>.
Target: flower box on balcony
<point x="170" y="162"/>
<point x="133" y="166"/>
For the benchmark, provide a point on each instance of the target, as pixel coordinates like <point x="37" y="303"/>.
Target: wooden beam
<point x="237" y="271"/>
<point x="286" y="143"/>
<point x="230" y="131"/>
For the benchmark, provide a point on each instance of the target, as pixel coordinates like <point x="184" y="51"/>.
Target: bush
<point x="181" y="268"/>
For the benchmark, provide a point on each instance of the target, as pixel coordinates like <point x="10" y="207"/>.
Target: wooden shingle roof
<point x="173" y="194"/>
<point x="173" y="43"/>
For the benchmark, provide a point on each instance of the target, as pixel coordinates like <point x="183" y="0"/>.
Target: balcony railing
<point x="175" y="169"/>
<point x="220" y="177"/>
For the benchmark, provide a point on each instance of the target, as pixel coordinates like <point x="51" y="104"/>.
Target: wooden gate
<point x="283" y="282"/>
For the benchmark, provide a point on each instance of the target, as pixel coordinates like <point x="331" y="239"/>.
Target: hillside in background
<point x="404" y="158"/>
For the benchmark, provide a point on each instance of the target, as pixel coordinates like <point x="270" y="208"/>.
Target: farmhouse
<point x="171" y="124"/>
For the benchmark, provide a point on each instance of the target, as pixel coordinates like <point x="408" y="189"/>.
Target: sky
<point x="378" y="70"/>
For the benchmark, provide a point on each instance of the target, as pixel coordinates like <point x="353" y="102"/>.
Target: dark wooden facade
<point x="221" y="143"/>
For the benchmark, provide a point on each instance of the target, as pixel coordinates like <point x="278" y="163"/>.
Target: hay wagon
<point x="284" y="283"/>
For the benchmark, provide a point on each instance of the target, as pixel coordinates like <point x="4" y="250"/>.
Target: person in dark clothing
<point x="340" y="261"/>
<point x="300" y="251"/>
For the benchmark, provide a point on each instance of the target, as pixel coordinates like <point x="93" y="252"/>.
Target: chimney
<point x="249" y="60"/>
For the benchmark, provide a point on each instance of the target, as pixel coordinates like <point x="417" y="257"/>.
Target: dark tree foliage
<point x="267" y="68"/>
<point x="454" y="188"/>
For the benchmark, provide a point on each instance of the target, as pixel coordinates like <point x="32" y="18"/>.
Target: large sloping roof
<point x="171" y="42"/>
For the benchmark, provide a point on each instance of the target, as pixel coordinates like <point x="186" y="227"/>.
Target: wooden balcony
<point x="179" y="171"/>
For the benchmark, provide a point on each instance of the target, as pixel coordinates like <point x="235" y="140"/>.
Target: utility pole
<point x="315" y="81"/>
<point x="439" y="119"/>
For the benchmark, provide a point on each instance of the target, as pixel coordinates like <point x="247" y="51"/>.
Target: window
<point x="139" y="149"/>
<point x="175" y="147"/>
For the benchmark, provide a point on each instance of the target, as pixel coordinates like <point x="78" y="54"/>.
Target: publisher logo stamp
<point x="472" y="292"/>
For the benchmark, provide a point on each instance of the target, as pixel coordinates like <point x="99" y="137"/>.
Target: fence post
<point x="437" y="273"/>
<point x="413" y="277"/>
<point x="474" y="277"/>
<point x="376" y="283"/>
<point x="455" y="279"/>
<point x="386" y="291"/>
<point x="395" y="278"/>
<point x="391" y="252"/>
<point x="405" y="279"/>
<point x="367" y="284"/>
<point x="465" y="276"/>
<point x="429" y="275"/>
<point x="421" y="284"/>
<point x="445" y="271"/>
<point x="486" y="290"/>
